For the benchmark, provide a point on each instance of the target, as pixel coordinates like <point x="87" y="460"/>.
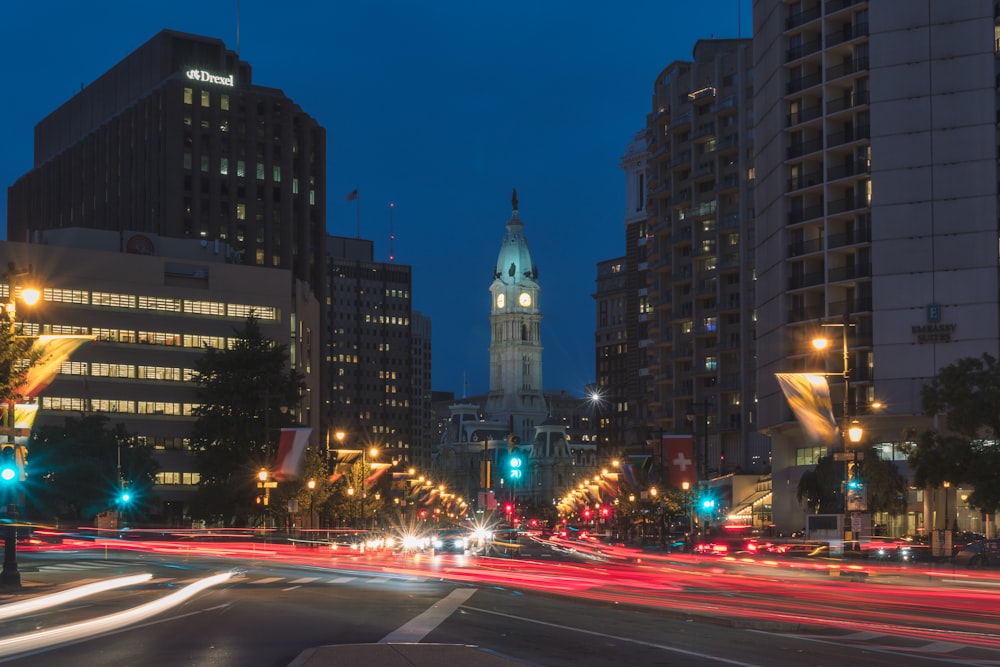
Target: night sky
<point x="439" y="106"/>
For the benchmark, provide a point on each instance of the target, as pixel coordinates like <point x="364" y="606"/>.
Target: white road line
<point x="266" y="580"/>
<point x="419" y="627"/>
<point x="341" y="580"/>
<point x="663" y="647"/>
<point x="305" y="580"/>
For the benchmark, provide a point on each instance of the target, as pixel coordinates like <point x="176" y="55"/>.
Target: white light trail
<point x="77" y="631"/>
<point x="62" y="597"/>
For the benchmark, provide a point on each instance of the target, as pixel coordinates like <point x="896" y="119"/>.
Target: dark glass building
<point x="176" y="140"/>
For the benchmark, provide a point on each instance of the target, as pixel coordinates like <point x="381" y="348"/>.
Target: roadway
<point x="554" y="605"/>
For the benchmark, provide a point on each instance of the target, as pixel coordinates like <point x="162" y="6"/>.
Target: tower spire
<point x="513" y="200"/>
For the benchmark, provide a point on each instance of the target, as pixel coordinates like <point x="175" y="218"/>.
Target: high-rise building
<point x="609" y="396"/>
<point x="876" y="201"/>
<point x="370" y="357"/>
<point x="692" y="245"/>
<point x="176" y="140"/>
<point x="425" y="433"/>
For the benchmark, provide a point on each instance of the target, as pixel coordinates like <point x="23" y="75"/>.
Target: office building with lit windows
<point x="371" y="354"/>
<point x="876" y="200"/>
<point x="176" y="140"/>
<point x="152" y="309"/>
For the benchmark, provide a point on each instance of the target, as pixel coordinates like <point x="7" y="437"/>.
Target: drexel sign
<point x="208" y="77"/>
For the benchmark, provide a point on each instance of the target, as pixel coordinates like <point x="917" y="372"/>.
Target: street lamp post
<point x="30" y="295"/>
<point x="364" y="482"/>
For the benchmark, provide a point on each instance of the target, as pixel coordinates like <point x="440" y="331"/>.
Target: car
<point x="450" y="541"/>
<point x="983" y="553"/>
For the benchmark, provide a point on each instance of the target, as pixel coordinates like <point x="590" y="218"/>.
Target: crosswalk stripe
<point x="304" y="580"/>
<point x="341" y="580"/>
<point x="266" y="580"/>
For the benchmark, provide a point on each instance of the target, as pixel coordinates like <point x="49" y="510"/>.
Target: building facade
<point x="176" y="140"/>
<point x="876" y="200"/>
<point x="370" y="356"/>
<point x="689" y="265"/>
<point x="152" y="314"/>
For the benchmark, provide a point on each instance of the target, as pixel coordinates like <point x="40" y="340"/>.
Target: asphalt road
<point x="539" y="613"/>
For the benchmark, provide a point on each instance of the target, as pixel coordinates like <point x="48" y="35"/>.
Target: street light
<point x="30" y="296"/>
<point x="364" y="481"/>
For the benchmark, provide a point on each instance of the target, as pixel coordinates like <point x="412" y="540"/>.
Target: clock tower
<point x="516" y="395"/>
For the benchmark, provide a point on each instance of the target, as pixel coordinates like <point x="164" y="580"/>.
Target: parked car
<point x="984" y="553"/>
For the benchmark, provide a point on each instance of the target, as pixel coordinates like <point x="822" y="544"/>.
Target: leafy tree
<point x="74" y="470"/>
<point x="243" y="396"/>
<point x="967" y="394"/>
<point x="885" y="485"/>
<point x="819" y="488"/>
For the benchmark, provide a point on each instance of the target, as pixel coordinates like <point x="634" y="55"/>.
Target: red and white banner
<point x="678" y="459"/>
<point x="291" y="448"/>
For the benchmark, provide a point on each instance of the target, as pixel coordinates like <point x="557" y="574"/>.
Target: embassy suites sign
<point x="208" y="77"/>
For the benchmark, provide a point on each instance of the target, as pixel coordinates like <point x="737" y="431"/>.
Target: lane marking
<point x="419" y="627"/>
<point x="266" y="580"/>
<point x="341" y="580"/>
<point x="305" y="580"/>
<point x="640" y="642"/>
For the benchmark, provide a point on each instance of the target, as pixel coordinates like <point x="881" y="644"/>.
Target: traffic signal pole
<point x="10" y="479"/>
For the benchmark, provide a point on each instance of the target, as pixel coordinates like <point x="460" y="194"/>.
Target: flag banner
<point x="630" y="476"/>
<point x="378" y="469"/>
<point x="609" y="485"/>
<point x="808" y="395"/>
<point x="352" y="195"/>
<point x="678" y="457"/>
<point x="53" y="351"/>
<point x="291" y="447"/>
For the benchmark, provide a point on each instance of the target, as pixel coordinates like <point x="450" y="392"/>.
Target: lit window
<point x="260" y="171"/>
<point x="206" y="99"/>
<point x="241" y="168"/>
<point x="224" y="166"/>
<point x="711" y="363"/>
<point x="224" y="102"/>
<point x="276" y="174"/>
<point x="188" y="96"/>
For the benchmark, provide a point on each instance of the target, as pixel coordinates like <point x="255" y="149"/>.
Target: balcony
<point x="803" y="115"/>
<point x="805" y="247"/>
<point x="850" y="101"/>
<point x="851" y="237"/>
<point x="803" y="50"/>
<point x="850" y="134"/>
<point x="850" y="272"/>
<point x="796" y="84"/>
<point x="801" y="148"/>
<point x="805" y="280"/>
<point x="849" y="67"/>
<point x="807" y="213"/>
<point x="848" y="33"/>
<point x="844" y="204"/>
<point x="805" y="180"/>
<point x="855" y="168"/>
<point x="796" y="19"/>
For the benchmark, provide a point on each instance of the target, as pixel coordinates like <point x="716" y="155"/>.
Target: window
<point x="224" y="102"/>
<point x="711" y="363"/>
<point x="224" y="166"/>
<point x="188" y="96"/>
<point x="206" y="99"/>
<point x="112" y="300"/>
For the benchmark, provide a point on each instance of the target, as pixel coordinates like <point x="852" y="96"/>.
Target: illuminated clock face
<point x="501" y="301"/>
<point x="524" y="299"/>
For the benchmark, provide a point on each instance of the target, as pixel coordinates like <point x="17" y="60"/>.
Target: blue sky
<point x="440" y="107"/>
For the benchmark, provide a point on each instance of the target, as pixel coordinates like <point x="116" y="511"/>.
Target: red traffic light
<point x="587" y="513"/>
<point x="508" y="508"/>
<point x="605" y="512"/>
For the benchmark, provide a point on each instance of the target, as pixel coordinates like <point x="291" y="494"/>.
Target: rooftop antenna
<point x="739" y="19"/>
<point x="237" y="28"/>
<point x="392" y="234"/>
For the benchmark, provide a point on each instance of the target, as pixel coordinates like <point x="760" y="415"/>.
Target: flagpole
<point x="392" y="235"/>
<point x="357" y="200"/>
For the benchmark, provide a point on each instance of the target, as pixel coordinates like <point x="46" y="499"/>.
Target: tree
<point x="819" y="488"/>
<point x="244" y="393"/>
<point x="79" y="469"/>
<point x="966" y="393"/>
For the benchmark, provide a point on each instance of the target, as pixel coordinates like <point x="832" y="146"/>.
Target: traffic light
<point x="605" y="511"/>
<point x="508" y="508"/>
<point x="8" y="464"/>
<point x="854" y="482"/>
<point x="514" y="466"/>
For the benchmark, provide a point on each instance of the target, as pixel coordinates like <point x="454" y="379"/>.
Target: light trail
<point x="64" y="634"/>
<point x="62" y="597"/>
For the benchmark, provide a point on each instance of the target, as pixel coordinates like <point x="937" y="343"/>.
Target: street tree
<point x="819" y="488"/>
<point x="80" y="468"/>
<point x="244" y="393"/>
<point x="966" y="394"/>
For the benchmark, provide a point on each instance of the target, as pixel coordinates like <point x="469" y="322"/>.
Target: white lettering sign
<point x="208" y="77"/>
